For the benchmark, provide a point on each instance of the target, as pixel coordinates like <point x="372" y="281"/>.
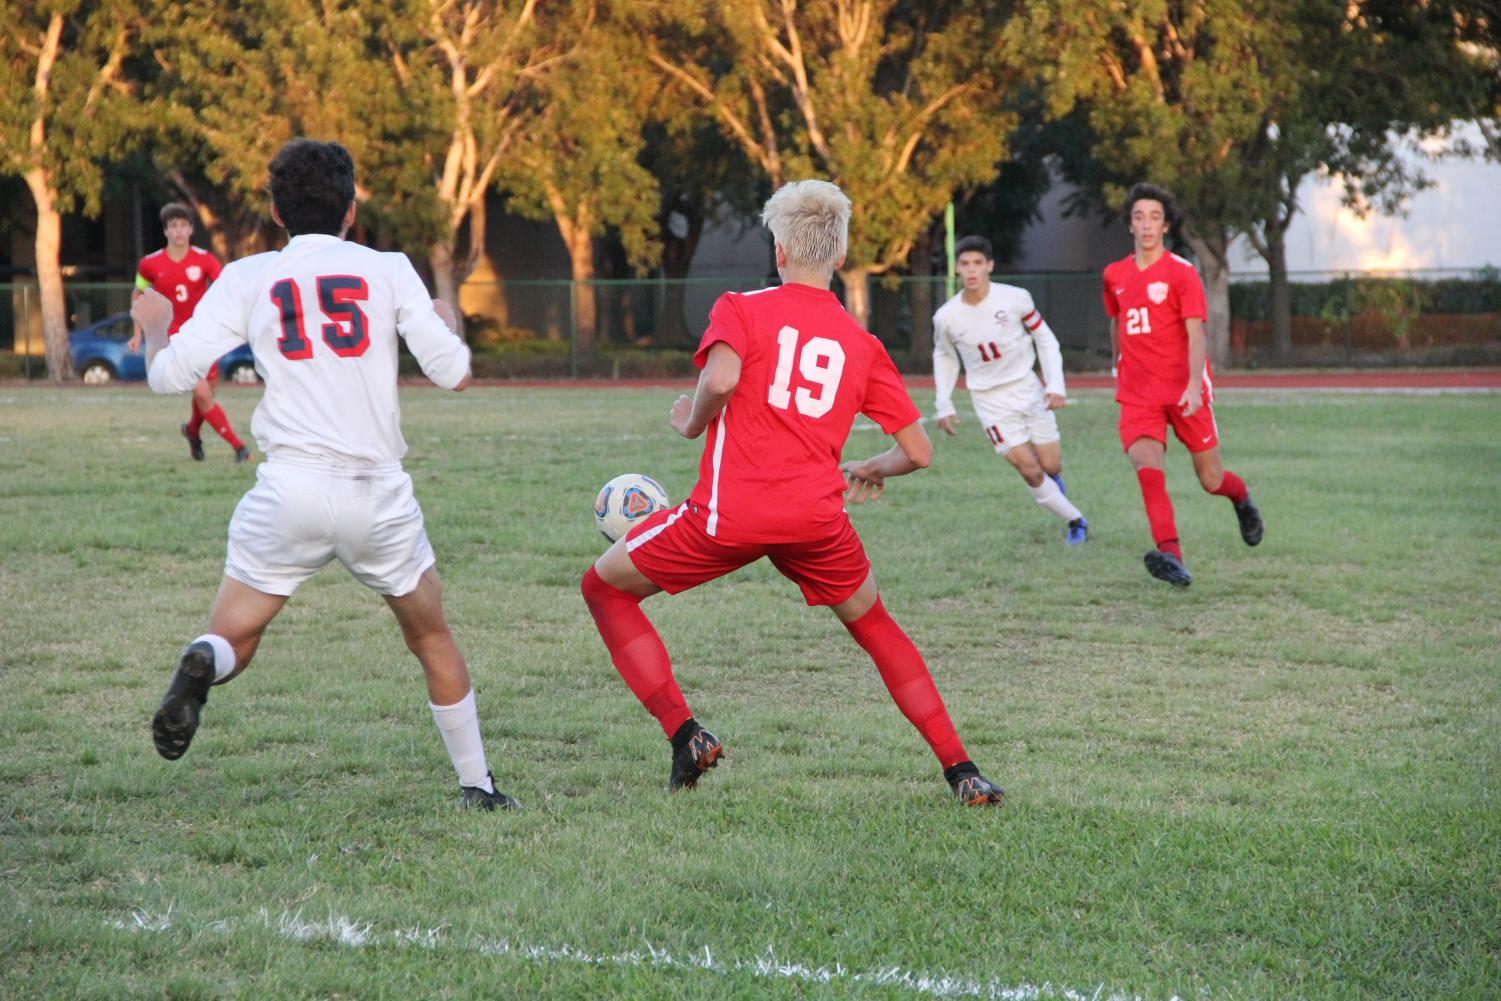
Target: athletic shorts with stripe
<point x="297" y="519"/>
<point x="673" y="550"/>
<point x="1198" y="433"/>
<point x="1015" y="413"/>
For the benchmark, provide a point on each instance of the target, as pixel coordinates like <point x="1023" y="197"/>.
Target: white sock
<point x="1050" y="497"/>
<point x="224" y="655"/>
<point x="459" y="725"/>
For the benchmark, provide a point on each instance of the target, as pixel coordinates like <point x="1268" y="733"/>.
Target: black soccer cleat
<point x="1166" y="566"/>
<point x="476" y="798"/>
<point x="694" y="751"/>
<point x="195" y="443"/>
<point x="1251" y="526"/>
<point x="242" y="455"/>
<point x="176" y="719"/>
<point x="972" y="788"/>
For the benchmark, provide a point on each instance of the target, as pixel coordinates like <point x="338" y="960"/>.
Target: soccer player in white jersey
<point x="996" y="333"/>
<point x="322" y="316"/>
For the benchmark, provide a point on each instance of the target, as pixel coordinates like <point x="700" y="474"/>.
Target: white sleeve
<point x="443" y="356"/>
<point x="945" y="371"/>
<point x="1047" y="352"/>
<point x="218" y="325"/>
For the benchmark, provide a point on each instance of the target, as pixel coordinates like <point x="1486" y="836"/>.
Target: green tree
<point x="1175" y="92"/>
<point x="577" y="160"/>
<point x="899" y="103"/>
<point x="69" y="109"/>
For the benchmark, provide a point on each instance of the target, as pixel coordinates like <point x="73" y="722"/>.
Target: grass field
<point x="1282" y="783"/>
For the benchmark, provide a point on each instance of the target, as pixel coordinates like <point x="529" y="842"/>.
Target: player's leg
<point x="1050" y="461"/>
<point x="449" y="691"/>
<point x="1201" y="436"/>
<point x="213" y="415"/>
<point x="239" y="617"/>
<point x="375" y="528"/>
<point x="1148" y="457"/>
<point x="1024" y="457"/>
<point x="671" y="547"/>
<point x="836" y="572"/>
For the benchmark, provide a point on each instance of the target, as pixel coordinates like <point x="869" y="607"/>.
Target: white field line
<point x="363" y="934"/>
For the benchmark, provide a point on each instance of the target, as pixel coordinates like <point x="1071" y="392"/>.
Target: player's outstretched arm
<point x="716" y="384"/>
<point x="152" y="314"/>
<point x="867" y="479"/>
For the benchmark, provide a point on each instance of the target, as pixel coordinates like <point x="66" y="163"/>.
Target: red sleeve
<point x="1191" y="294"/>
<point x="1112" y="307"/>
<point x="144" y="270"/>
<point x="886" y="399"/>
<point x="727" y="324"/>
<point x="212" y="267"/>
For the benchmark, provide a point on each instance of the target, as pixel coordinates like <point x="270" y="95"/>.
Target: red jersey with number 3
<point x="1150" y="306"/>
<point x="770" y="468"/>
<point x="183" y="282"/>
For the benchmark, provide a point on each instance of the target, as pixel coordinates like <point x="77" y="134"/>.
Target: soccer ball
<point x="626" y="501"/>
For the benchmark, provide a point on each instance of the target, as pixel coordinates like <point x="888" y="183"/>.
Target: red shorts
<point x="673" y="549"/>
<point x="213" y="372"/>
<point x="1197" y="433"/>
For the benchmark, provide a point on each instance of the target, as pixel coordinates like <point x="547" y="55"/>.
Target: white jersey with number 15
<point x="322" y="316"/>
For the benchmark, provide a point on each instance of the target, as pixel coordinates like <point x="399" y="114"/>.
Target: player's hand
<point x="949" y="423"/>
<point x="134" y="344"/>
<point x="864" y="483"/>
<point x="1191" y="400"/>
<point x="152" y="312"/>
<point x="678" y="416"/>
<point x="1055" y="401"/>
<point x="446" y="314"/>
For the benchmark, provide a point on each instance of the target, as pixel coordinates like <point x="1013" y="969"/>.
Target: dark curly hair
<point x="312" y="184"/>
<point x="175" y="210"/>
<point x="1151" y="192"/>
<point x="978" y="243"/>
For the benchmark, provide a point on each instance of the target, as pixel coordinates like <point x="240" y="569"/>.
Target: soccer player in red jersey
<point x="182" y="272"/>
<point x="785" y="371"/>
<point x="1155" y="302"/>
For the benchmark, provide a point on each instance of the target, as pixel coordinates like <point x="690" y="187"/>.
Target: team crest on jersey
<point x="194" y="272"/>
<point x="1000" y="317"/>
<point x="1157" y="292"/>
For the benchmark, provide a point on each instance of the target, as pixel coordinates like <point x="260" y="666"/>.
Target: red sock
<point x="908" y="681"/>
<point x="1159" y="510"/>
<point x="636" y="650"/>
<point x="1233" y="487"/>
<point x="216" y="420"/>
<point x="195" y="423"/>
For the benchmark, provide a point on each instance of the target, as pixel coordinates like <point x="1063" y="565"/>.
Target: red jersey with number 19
<point x="183" y="282"/>
<point x="770" y="468"/>
<point x="1149" y="306"/>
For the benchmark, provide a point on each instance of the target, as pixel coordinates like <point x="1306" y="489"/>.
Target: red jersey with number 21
<point x="183" y="282"/>
<point x="1149" y="306"/>
<point x="770" y="468"/>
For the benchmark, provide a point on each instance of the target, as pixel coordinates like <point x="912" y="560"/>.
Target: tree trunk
<point x="49" y="273"/>
<point x="857" y="294"/>
<point x="585" y="313"/>
<point x="445" y="280"/>
<point x="1281" y="299"/>
<point x="1214" y="261"/>
<point x="677" y="258"/>
<point x="922" y="300"/>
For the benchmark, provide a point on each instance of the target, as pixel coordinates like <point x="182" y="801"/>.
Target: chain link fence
<point x="649" y="328"/>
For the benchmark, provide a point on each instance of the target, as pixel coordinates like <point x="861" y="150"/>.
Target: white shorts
<point x="297" y="518"/>
<point x="1014" y="414"/>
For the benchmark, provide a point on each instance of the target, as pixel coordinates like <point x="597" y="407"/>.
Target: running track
<point x="1426" y="378"/>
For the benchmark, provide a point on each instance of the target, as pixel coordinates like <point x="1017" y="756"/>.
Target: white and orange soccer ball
<point x="625" y="502"/>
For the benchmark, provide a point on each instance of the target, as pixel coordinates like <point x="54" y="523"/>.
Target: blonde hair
<point x="811" y="221"/>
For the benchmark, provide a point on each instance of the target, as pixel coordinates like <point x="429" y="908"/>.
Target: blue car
<point x="101" y="357"/>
